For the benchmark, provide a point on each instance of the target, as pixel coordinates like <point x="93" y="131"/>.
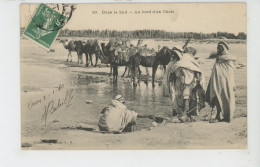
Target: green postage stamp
<point x="44" y="26"/>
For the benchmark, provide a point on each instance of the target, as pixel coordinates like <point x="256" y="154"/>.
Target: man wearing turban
<point x="221" y="87"/>
<point x="117" y="118"/>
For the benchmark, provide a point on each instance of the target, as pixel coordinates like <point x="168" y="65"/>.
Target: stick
<point x="211" y="113"/>
<point x="186" y="43"/>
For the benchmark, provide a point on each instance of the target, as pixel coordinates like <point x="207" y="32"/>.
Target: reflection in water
<point x="142" y="99"/>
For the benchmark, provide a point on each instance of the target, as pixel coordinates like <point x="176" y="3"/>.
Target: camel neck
<point x="103" y="58"/>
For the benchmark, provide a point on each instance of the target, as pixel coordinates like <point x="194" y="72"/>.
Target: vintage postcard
<point x="133" y="76"/>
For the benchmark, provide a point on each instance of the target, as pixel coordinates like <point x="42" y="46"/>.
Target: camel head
<point x="190" y="50"/>
<point x="65" y="43"/>
<point x="187" y="49"/>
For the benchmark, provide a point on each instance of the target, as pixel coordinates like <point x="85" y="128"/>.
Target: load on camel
<point x="117" y="53"/>
<point x="145" y="58"/>
<point x="162" y="57"/>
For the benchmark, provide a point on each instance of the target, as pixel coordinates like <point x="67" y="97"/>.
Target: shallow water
<point x="41" y="72"/>
<point x="142" y="99"/>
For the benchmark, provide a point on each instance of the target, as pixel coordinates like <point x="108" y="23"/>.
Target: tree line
<point x="159" y="34"/>
<point x="146" y="34"/>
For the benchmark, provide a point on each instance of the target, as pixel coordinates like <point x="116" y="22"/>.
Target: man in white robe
<point x="182" y="76"/>
<point x="117" y="118"/>
<point x="221" y="87"/>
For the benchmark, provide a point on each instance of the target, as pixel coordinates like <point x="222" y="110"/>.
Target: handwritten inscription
<point x="52" y="107"/>
<point x="33" y="103"/>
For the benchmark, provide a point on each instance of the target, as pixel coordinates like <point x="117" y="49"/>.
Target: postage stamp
<point x="44" y="26"/>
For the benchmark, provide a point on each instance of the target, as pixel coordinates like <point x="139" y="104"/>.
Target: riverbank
<point x="47" y="78"/>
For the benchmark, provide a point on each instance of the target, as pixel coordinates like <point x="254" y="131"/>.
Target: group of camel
<point x="130" y="57"/>
<point x="80" y="47"/>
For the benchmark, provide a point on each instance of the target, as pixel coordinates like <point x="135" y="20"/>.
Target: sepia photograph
<point x="133" y="76"/>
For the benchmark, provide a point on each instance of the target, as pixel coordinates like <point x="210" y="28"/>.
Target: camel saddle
<point x="147" y="52"/>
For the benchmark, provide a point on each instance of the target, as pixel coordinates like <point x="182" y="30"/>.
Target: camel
<point x="95" y="49"/>
<point x="73" y="46"/>
<point x="89" y="49"/>
<point x="107" y="50"/>
<point x="116" y="56"/>
<point x="130" y="52"/>
<point x="162" y="57"/>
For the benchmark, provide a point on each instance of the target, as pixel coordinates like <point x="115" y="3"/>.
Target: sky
<point x="184" y="17"/>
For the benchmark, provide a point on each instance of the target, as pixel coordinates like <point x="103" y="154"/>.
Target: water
<point x="142" y="99"/>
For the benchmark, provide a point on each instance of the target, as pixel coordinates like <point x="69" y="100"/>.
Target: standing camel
<point x="73" y="46"/>
<point x="108" y="50"/>
<point x="117" y="56"/>
<point x="162" y="57"/>
<point x="89" y="50"/>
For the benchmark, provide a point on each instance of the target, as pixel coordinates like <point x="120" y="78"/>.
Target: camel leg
<point x="129" y="67"/>
<point x="124" y="71"/>
<point x="111" y="69"/>
<point x="116" y="69"/>
<point x="90" y="57"/>
<point x="96" y="61"/>
<point x="78" y="57"/>
<point x="115" y="74"/>
<point x="153" y="74"/>
<point x="81" y="58"/>
<point x="68" y="57"/>
<point x="134" y="71"/>
<point x="139" y="72"/>
<point x="86" y="59"/>
<point x="147" y="75"/>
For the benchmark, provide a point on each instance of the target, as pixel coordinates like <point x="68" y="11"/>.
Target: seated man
<point x="117" y="118"/>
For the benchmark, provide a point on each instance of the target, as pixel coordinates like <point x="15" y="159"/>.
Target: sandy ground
<point x="46" y="77"/>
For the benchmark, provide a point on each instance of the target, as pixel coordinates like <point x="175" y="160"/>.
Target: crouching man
<point x="184" y="82"/>
<point x="117" y="118"/>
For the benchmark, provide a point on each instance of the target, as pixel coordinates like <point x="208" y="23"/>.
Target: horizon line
<point x="152" y="29"/>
